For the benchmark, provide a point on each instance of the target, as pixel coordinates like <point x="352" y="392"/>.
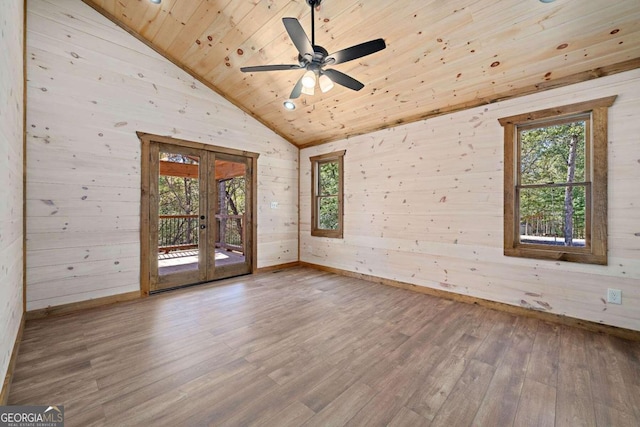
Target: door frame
<point x="148" y="141"/>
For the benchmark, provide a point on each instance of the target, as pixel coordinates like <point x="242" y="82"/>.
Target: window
<point x="326" y="194"/>
<point x="555" y="183"/>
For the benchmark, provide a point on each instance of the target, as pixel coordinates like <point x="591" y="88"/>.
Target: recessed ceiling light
<point x="289" y="105"/>
<point x="155" y="1"/>
<point x="547" y="1"/>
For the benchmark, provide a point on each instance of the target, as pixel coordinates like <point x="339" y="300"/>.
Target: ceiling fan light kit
<point x="309" y="79"/>
<point x="325" y="83"/>
<point x="313" y="58"/>
<point x="308" y="90"/>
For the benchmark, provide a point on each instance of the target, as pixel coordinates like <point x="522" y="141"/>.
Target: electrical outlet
<point x="274" y="205"/>
<point x="614" y="296"/>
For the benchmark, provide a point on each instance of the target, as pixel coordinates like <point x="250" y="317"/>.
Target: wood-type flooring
<point x="301" y="347"/>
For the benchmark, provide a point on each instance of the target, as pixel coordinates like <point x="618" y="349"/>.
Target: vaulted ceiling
<point x="441" y="56"/>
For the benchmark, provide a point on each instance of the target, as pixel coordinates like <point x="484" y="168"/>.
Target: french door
<point x="197" y="212"/>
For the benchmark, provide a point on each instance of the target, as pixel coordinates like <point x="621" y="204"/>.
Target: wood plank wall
<point x="423" y="205"/>
<point x="11" y="173"/>
<point x="91" y="87"/>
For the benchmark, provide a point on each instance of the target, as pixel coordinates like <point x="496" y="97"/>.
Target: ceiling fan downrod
<point x="313" y="4"/>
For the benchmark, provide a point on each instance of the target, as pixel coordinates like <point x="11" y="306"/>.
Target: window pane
<point x="553" y="154"/>
<point x="553" y="216"/>
<point x="328" y="213"/>
<point x="328" y="178"/>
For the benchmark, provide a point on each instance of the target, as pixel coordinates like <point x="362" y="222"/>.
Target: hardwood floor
<point x="304" y="347"/>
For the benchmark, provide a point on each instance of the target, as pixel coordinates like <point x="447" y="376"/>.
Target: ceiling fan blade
<point x="344" y="80"/>
<point x="270" y="68"/>
<point x="298" y="36"/>
<point x="355" y="52"/>
<point x="297" y="89"/>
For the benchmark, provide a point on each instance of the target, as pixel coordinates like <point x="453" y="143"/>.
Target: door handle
<point x="202" y="226"/>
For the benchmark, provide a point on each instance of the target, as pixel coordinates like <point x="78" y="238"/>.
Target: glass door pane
<point x="178" y="201"/>
<point x="180" y="240"/>
<point x="232" y="201"/>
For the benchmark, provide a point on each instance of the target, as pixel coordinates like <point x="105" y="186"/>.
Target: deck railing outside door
<point x="230" y="232"/>
<point x="177" y="232"/>
<point x="180" y="232"/>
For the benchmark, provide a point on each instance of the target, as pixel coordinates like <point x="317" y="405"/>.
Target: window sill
<point x="580" y="255"/>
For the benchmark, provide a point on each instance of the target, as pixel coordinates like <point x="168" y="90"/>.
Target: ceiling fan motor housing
<point x="315" y="63"/>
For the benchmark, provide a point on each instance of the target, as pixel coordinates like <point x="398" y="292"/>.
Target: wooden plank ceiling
<point x="441" y="56"/>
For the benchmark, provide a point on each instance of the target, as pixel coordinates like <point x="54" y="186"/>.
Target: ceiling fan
<point x="314" y="58"/>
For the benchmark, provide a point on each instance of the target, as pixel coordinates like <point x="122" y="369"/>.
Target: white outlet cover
<point x="274" y="205"/>
<point x="614" y="296"/>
